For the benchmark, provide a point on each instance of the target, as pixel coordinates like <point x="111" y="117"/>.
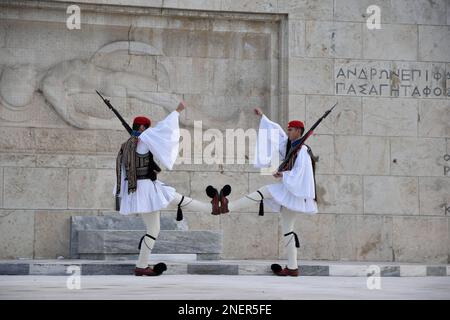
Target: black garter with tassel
<point x="297" y="243"/>
<point x="179" y="211"/>
<point x="261" y="204"/>
<point x="142" y="239"/>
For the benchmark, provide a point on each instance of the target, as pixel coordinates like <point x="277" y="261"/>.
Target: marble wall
<point x="383" y="179"/>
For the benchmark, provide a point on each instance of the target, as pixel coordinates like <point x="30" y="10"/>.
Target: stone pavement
<point x="187" y="264"/>
<point x="212" y="287"/>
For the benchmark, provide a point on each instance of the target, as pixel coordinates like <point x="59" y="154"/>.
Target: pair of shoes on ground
<point x="157" y="270"/>
<point x="283" y="272"/>
<point x="219" y="201"/>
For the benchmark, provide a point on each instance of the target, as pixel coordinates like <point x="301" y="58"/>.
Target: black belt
<point x="140" y="178"/>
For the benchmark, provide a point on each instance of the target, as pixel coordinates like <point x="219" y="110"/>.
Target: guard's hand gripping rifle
<point x="282" y="166"/>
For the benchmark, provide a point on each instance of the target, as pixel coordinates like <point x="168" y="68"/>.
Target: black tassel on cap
<point x="261" y="204"/>
<point x="179" y="211"/>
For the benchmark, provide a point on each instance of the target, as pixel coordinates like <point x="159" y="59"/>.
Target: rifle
<point x="124" y="123"/>
<point x="127" y="127"/>
<point x="283" y="164"/>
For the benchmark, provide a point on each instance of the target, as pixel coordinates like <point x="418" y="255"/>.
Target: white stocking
<point x="191" y="204"/>
<point x="249" y="201"/>
<point x="288" y="221"/>
<point x="152" y="224"/>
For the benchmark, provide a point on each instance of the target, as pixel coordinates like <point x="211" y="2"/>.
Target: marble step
<point x="176" y="266"/>
<point x="115" y="221"/>
<point x="94" y="243"/>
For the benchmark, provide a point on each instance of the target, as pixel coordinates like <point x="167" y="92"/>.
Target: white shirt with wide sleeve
<point x="150" y="196"/>
<point x="296" y="190"/>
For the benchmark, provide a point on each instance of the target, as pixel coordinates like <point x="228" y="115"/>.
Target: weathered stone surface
<point x="207" y="44"/>
<point x="107" y="269"/>
<point x="208" y="256"/>
<point x="389" y="117"/>
<point x="434" y="117"/>
<point x="333" y="39"/>
<point x="297" y="105"/>
<point x="417" y="11"/>
<point x="113" y="221"/>
<point x="237" y="181"/>
<point x="17" y="160"/>
<point x="349" y="270"/>
<point x="310" y="76"/>
<point x="417" y="156"/>
<point x="437" y="271"/>
<point x="391" y="195"/>
<point x="389" y="78"/>
<point x="66" y="161"/>
<point x="213" y="269"/>
<point x="296" y="38"/>
<point x="392" y="42"/>
<point x="434" y="195"/>
<point x="307" y="9"/>
<point x="49" y="269"/>
<point x="366" y="238"/>
<point x="201" y="221"/>
<point x="105" y="162"/>
<point x="419" y="239"/>
<point x="116" y="221"/>
<point x="322" y="146"/>
<point x="230" y="76"/>
<point x="52" y="234"/>
<point x="59" y="140"/>
<point x="307" y="270"/>
<point x="16" y="234"/>
<point x="399" y="11"/>
<point x="339" y="193"/>
<point x="91" y="189"/>
<point x="254" y="269"/>
<point x="413" y="271"/>
<point x="169" y="241"/>
<point x="109" y="140"/>
<point x="248" y="5"/>
<point x="22" y="269"/>
<point x="247" y="236"/>
<point x="192" y="4"/>
<point x="361" y="155"/>
<point x="390" y="271"/>
<point x="345" y="119"/>
<point x="433" y="43"/>
<point x="354" y="10"/>
<point x="35" y="188"/>
<point x="17" y="139"/>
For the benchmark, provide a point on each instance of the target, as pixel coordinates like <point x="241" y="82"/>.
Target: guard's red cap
<point x="142" y="120"/>
<point x="296" y="124"/>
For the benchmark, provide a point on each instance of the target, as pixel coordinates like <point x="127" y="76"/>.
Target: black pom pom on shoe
<point x="226" y="190"/>
<point x="276" y="267"/>
<point x="160" y="268"/>
<point x="211" y="191"/>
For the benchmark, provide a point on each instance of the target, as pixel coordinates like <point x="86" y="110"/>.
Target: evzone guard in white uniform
<point x="293" y="195"/>
<point x="137" y="186"/>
